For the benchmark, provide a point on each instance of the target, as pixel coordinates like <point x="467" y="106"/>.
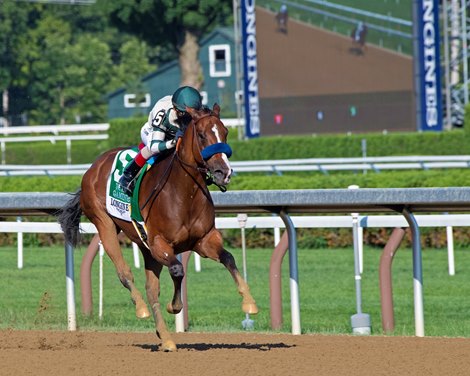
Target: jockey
<point x="359" y="29"/>
<point x="164" y="126"/>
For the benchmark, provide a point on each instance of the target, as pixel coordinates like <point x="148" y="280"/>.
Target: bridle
<point x="204" y="154"/>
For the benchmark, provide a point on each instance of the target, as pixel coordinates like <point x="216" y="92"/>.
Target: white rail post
<point x="450" y="250"/>
<point x="247" y="323"/>
<point x="70" y="288"/>
<point x="68" y="143"/>
<point x="293" y="272"/>
<point x="20" y="245"/>
<point x="197" y="262"/>
<point x="360" y="321"/>
<point x="417" y="273"/>
<point x="100" y="304"/>
<point x="135" y="250"/>
<point x="179" y="317"/>
<point x="3" y="152"/>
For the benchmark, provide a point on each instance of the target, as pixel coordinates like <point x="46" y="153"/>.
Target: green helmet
<point x="186" y="96"/>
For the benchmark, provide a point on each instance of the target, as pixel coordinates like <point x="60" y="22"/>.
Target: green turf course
<point x="34" y="297"/>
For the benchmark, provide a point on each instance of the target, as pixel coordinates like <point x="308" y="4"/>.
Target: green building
<point x="217" y="57"/>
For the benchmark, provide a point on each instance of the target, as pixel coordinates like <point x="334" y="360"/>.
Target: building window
<point x="219" y="61"/>
<point x="130" y="101"/>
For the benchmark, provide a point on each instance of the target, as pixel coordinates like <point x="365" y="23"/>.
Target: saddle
<point x="118" y="203"/>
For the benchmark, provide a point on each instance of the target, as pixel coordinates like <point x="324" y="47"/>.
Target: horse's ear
<point x="216" y="110"/>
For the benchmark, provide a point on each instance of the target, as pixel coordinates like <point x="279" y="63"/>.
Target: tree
<point x="13" y="23"/>
<point x="58" y="62"/>
<point x="177" y="24"/>
<point x="67" y="78"/>
<point x="133" y="65"/>
<point x="88" y="76"/>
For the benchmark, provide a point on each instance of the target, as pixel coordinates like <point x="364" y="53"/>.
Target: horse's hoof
<point x="169" y="346"/>
<point x="142" y="312"/>
<point x="250" y="308"/>
<point x="174" y="310"/>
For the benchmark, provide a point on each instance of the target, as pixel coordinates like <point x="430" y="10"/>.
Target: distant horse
<point x="178" y="212"/>
<point x="358" y="36"/>
<point x="281" y="18"/>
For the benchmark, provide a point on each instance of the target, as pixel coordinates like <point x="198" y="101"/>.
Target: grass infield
<point x="34" y="297"/>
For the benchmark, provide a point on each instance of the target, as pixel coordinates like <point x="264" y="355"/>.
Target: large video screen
<point x="342" y="66"/>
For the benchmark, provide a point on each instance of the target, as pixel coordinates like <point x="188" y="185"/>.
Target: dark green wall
<point x="165" y="80"/>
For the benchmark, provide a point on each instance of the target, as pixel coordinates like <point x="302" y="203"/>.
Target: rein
<point x="158" y="187"/>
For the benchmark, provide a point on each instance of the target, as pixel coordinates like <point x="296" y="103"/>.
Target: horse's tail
<point x="69" y="219"/>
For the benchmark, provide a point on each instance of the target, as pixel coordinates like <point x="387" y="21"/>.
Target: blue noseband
<point x="220" y="147"/>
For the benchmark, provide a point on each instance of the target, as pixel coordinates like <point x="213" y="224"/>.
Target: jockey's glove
<point x="178" y="134"/>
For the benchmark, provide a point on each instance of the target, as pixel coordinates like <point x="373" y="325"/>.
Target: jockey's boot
<point x="127" y="180"/>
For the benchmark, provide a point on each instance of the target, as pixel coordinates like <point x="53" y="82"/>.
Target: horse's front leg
<point x="164" y="253"/>
<point x="152" y="285"/>
<point x="212" y="246"/>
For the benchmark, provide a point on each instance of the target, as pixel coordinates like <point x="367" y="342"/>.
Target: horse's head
<point x="208" y="137"/>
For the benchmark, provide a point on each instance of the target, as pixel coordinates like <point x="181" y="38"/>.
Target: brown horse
<point x="178" y="211"/>
<point x="358" y="38"/>
<point x="281" y="19"/>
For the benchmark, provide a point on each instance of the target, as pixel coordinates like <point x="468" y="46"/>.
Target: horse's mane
<point x="206" y="110"/>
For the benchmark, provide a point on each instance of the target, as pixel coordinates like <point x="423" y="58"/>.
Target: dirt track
<point x="88" y="353"/>
<point x="313" y="61"/>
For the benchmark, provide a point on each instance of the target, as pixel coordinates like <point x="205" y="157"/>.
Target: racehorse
<point x="178" y="212"/>
<point x="358" y="37"/>
<point x="281" y="18"/>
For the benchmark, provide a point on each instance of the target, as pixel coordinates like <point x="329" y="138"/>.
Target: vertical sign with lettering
<point x="250" y="69"/>
<point x="428" y="66"/>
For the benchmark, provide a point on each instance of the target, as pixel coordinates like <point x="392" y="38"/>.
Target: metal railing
<point x="404" y="201"/>
<point x="323" y="165"/>
<point x="365" y="164"/>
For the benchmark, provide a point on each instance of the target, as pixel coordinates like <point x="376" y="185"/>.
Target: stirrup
<point x="127" y="186"/>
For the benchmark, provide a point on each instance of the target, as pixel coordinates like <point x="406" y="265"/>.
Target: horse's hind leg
<point x="152" y="286"/>
<point x="108" y="236"/>
<point x="211" y="246"/>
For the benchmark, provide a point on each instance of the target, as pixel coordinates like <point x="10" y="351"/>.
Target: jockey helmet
<point x="186" y="96"/>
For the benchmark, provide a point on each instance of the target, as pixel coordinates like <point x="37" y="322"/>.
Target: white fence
<point x="52" y="134"/>
<point x="273" y="222"/>
<point x="364" y="164"/>
<point x="447" y="220"/>
<point x="324" y="165"/>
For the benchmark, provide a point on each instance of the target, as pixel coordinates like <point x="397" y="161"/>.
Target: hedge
<point x="127" y="132"/>
<point x="311" y="180"/>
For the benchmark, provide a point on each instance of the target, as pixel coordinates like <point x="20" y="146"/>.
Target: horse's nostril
<point x="222" y="177"/>
<point x="218" y="174"/>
